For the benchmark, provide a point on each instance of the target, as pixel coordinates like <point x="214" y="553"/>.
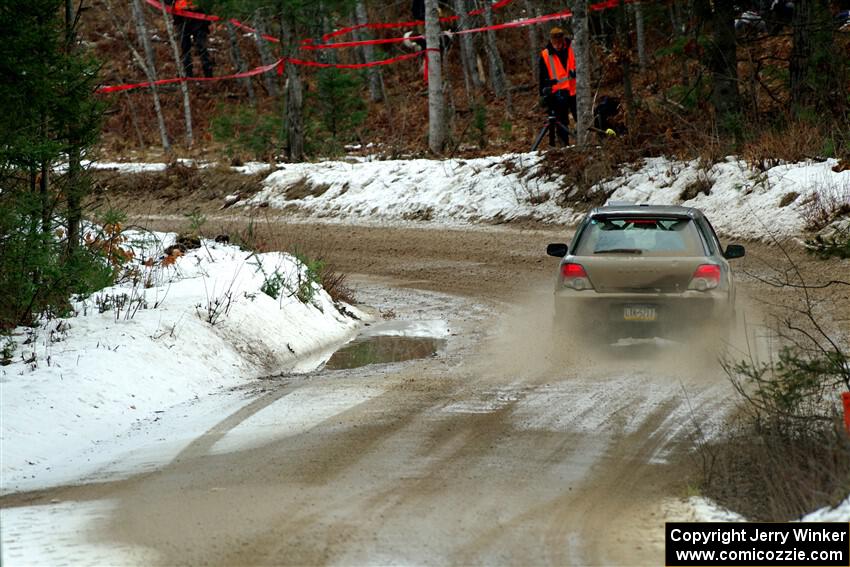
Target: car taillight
<point x="706" y="276"/>
<point x="575" y="277"/>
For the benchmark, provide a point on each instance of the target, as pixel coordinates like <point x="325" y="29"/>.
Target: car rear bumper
<point x="642" y="315"/>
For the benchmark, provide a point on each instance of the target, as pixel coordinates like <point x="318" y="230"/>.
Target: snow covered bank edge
<point x="179" y="330"/>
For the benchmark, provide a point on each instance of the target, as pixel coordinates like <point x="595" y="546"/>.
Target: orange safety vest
<point x="558" y="73"/>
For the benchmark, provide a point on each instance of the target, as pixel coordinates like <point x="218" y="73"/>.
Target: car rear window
<point x="640" y="235"/>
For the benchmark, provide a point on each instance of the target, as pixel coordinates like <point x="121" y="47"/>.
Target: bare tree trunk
<point x="801" y="52"/>
<point x="640" y="30"/>
<point x="467" y="50"/>
<point x="69" y="20"/>
<point x="134" y="120"/>
<point x="147" y="66"/>
<point x="581" y="50"/>
<point x="265" y="56"/>
<point x="677" y="22"/>
<point x="184" y="86"/>
<point x="436" y="102"/>
<point x="753" y="81"/>
<point x="625" y="43"/>
<point x="464" y="63"/>
<point x="239" y="63"/>
<point x="73" y="196"/>
<point x="73" y="187"/>
<point x="44" y="181"/>
<point x="327" y="55"/>
<point x="376" y="81"/>
<point x="498" y="79"/>
<point x="533" y="39"/>
<point x="294" y="95"/>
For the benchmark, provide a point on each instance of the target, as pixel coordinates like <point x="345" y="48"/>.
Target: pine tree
<point x="50" y="118"/>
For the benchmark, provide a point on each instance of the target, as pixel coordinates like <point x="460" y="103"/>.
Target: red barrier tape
<point x="308" y="44"/>
<point x="344" y="44"/>
<point x="395" y="25"/>
<point x="210" y="18"/>
<point x="277" y="65"/>
<point x="377" y="26"/>
<point x="427" y="52"/>
<point x="184" y="13"/>
<point x="507" y="25"/>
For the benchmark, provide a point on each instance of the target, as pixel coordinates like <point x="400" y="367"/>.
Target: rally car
<point x="644" y="271"/>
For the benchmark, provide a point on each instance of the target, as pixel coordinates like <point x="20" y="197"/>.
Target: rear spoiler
<point x="641" y="214"/>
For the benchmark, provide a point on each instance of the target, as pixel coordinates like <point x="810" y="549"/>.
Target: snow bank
<point x="170" y="334"/>
<point x="741" y="202"/>
<point x="706" y="510"/>
<point x="840" y="513"/>
<point x="452" y="190"/>
<point x="249" y="168"/>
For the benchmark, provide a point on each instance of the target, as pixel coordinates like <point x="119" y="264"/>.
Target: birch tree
<point x="436" y="102"/>
<point x="376" y="81"/>
<point x="181" y="72"/>
<point x="148" y="66"/>
<point x="145" y="64"/>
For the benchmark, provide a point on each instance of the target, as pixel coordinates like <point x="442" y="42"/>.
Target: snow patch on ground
<point x="435" y="328"/>
<point x="706" y="510"/>
<point x="252" y="167"/>
<point x="840" y="513"/>
<point x="741" y="202"/>
<point x="452" y="190"/>
<point x="169" y="334"/>
<point x="249" y="168"/>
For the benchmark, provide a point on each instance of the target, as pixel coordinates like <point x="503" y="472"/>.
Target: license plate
<point x="639" y="313"/>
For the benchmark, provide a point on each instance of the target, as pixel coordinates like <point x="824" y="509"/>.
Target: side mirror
<point x="734" y="251"/>
<point x="558" y="250"/>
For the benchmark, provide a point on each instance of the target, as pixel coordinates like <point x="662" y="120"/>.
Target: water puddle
<point x="391" y="341"/>
<point x="382" y="350"/>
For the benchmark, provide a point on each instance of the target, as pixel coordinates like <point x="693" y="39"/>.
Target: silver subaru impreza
<point x="644" y="271"/>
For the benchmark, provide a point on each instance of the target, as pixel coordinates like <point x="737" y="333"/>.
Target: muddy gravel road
<point x="510" y="446"/>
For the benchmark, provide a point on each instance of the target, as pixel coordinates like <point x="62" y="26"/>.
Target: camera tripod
<point x="552" y="125"/>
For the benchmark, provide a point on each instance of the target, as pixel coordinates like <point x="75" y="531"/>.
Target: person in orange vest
<point x="558" y="79"/>
<point x="192" y="30"/>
